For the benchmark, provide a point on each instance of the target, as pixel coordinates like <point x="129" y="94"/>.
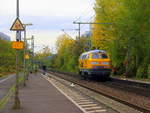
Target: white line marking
<point x="89" y="105"/>
<point x="97" y="107"/>
<point x="65" y="95"/>
<point x="6" y="78"/>
<point x="103" y="110"/>
<point x="78" y="101"/>
<point x="85" y="103"/>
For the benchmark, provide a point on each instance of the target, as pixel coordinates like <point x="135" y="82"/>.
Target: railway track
<point x="5" y="84"/>
<point x="135" y="96"/>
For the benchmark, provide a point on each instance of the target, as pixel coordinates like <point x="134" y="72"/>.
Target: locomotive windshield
<point x="99" y="56"/>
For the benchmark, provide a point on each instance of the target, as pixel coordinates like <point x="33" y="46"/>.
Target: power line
<point x="89" y="20"/>
<point x="90" y="23"/>
<point x="87" y="15"/>
<point x="86" y="11"/>
<point x="83" y="15"/>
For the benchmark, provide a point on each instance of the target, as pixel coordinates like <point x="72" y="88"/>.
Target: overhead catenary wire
<point x="88" y="18"/>
<point x="85" y="12"/>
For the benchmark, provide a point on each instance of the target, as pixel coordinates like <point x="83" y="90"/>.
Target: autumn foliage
<point x="125" y="36"/>
<point x="7" y="58"/>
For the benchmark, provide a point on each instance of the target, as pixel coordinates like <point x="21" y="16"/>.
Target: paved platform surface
<point x="39" y="96"/>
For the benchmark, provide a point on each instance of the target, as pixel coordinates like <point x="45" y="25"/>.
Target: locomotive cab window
<point x="87" y="56"/>
<point x="104" y="56"/>
<point x="84" y="56"/>
<point x="99" y="56"/>
<point x="80" y="57"/>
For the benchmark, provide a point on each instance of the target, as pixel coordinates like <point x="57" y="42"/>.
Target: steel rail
<point x="3" y="80"/>
<point x="139" y="108"/>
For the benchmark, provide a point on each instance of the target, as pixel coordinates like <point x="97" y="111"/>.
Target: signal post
<point x="18" y="45"/>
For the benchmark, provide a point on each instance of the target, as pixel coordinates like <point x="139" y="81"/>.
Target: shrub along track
<point x="134" y="95"/>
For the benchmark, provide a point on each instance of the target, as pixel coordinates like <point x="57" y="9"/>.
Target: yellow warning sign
<point x="17" y="25"/>
<point x="27" y="56"/>
<point x="17" y="45"/>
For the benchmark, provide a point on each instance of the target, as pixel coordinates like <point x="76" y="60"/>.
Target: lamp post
<point x="31" y="52"/>
<point x="25" y="48"/>
<point x="32" y="58"/>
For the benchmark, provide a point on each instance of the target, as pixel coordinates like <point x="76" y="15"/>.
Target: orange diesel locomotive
<point x="95" y="64"/>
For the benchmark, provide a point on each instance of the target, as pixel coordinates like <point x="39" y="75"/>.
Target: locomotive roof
<point x="94" y="51"/>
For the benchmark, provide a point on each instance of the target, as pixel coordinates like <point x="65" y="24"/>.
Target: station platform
<point x="39" y="96"/>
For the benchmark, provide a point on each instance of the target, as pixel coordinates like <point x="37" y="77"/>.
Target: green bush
<point x="143" y="71"/>
<point x="7" y="58"/>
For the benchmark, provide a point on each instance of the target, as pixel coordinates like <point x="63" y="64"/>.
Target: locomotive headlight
<point x="94" y="62"/>
<point x="105" y="63"/>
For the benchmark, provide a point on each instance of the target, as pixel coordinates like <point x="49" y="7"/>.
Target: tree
<point x="127" y="39"/>
<point x="44" y="56"/>
<point x="68" y="52"/>
<point x="7" y="57"/>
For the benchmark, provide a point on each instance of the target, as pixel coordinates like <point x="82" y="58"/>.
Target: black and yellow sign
<point x="17" y="25"/>
<point x="17" y="45"/>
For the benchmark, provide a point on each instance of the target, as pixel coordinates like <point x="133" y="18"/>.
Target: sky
<point x="48" y="17"/>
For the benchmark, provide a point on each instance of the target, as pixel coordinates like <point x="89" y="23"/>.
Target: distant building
<point x="4" y="36"/>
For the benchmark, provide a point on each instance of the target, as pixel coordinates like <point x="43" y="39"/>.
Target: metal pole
<point x="25" y="50"/>
<point x="79" y="30"/>
<point x="32" y="43"/>
<point x="17" y="9"/>
<point x="79" y="23"/>
<point x="16" y="98"/>
<point x="33" y="54"/>
<point x="24" y="83"/>
<point x="90" y="40"/>
<point x="33" y="46"/>
<point x="17" y="15"/>
<point x="17" y="101"/>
